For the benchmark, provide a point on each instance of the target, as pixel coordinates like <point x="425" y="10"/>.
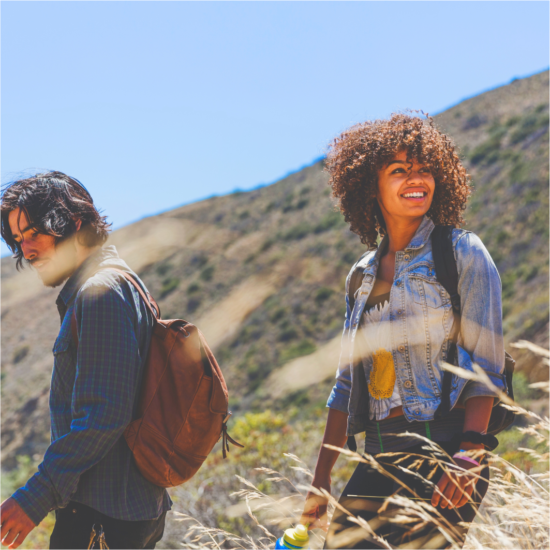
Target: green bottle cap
<point x="297" y="536"/>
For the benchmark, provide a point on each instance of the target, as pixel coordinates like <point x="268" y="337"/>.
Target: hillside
<point x="262" y="272"/>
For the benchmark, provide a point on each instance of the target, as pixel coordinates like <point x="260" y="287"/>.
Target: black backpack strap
<point x="446" y="272"/>
<point x="355" y="281"/>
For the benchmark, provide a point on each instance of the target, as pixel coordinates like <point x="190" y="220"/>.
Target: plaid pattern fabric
<point x="93" y="398"/>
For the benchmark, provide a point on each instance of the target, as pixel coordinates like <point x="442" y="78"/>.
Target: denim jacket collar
<point x="418" y="241"/>
<point x="422" y="234"/>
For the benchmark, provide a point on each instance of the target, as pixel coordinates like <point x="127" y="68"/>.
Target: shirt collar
<point x="106" y="254"/>
<point x="422" y="234"/>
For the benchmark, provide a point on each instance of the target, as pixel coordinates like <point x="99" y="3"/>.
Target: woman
<point x="397" y="179"/>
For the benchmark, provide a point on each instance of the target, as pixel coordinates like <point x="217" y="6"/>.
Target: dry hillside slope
<point x="262" y="272"/>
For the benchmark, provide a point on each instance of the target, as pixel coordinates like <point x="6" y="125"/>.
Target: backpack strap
<point x="446" y="272"/>
<point x="147" y="299"/>
<point x="355" y="281"/>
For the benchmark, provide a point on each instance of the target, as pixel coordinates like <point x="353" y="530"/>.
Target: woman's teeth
<point x="413" y="195"/>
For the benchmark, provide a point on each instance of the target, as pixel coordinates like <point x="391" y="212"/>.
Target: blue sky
<point x="156" y="104"/>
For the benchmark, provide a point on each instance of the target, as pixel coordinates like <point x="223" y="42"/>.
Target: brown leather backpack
<point x="183" y="406"/>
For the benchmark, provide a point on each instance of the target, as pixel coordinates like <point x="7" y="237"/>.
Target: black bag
<point x="447" y="275"/>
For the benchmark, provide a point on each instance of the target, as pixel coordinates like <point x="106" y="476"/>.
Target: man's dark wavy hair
<point x="53" y="202"/>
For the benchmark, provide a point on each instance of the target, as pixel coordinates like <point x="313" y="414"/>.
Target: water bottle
<point x="294" y="538"/>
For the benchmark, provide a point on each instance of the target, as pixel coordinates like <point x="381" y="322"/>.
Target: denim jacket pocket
<point x="426" y="290"/>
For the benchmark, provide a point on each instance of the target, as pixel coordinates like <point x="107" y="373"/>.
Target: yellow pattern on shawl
<point x="382" y="377"/>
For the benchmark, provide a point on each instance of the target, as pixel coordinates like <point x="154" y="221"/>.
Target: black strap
<point x="355" y="282"/>
<point x="446" y="272"/>
<point x="489" y="441"/>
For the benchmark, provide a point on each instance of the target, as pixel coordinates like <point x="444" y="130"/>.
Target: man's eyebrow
<point x="23" y="231"/>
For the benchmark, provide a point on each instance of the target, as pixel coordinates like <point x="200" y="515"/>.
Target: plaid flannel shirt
<point x="93" y="397"/>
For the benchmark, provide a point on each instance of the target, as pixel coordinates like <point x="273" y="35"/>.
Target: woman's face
<point x="405" y="188"/>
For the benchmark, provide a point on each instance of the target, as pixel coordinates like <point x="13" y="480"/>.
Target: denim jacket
<point x="421" y="323"/>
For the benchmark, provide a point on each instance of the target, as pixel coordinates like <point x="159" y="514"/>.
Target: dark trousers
<point x="387" y="521"/>
<point x="73" y="529"/>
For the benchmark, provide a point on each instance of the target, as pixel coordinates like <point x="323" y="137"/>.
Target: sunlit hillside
<point x="262" y="274"/>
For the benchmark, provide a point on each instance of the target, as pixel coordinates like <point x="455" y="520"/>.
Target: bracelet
<point x="465" y="457"/>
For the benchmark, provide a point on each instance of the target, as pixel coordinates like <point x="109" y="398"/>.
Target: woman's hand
<point x="315" y="508"/>
<point x="455" y="487"/>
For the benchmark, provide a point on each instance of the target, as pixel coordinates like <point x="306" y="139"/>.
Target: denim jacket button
<point x="401" y="348"/>
<point x="408" y="384"/>
<point x="406" y="257"/>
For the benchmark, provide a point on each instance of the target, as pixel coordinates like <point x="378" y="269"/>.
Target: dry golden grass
<point x="515" y="512"/>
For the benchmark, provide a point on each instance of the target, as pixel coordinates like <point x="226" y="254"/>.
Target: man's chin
<point x="53" y="280"/>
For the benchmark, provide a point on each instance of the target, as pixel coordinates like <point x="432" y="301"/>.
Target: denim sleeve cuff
<point x="479" y="389"/>
<point x="35" y="498"/>
<point x="338" y="400"/>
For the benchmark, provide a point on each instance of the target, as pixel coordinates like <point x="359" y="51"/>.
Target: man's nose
<point x="29" y="253"/>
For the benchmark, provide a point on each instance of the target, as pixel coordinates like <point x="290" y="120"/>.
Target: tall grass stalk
<point x="515" y="512"/>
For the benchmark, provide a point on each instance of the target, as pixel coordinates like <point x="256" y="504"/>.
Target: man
<point x="88" y="475"/>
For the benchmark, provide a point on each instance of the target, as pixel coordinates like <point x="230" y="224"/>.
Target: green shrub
<point x="267" y="244"/>
<point x="288" y="334"/>
<point x="193" y="287"/>
<point x="169" y="285"/>
<point x="207" y="273"/>
<point x="297" y="232"/>
<point x="330" y="221"/>
<point x="487" y="151"/>
<point x="301" y="348"/>
<point x="20" y="353"/>
<point x="519" y="172"/>
<point x="323" y="294"/>
<point x="163" y="269"/>
<point x="277" y="315"/>
<point x="528" y="126"/>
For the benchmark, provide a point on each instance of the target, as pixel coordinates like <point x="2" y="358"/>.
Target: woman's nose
<point x="414" y="176"/>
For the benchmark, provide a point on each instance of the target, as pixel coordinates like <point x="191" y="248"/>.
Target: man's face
<point x="54" y="263"/>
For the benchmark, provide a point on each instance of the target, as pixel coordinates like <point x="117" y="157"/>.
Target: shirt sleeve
<point x="480" y="339"/>
<point x="339" y="396"/>
<point x="107" y="370"/>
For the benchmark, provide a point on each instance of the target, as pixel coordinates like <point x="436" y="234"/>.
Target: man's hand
<point x="455" y="488"/>
<point x="315" y="508"/>
<point x="15" y="523"/>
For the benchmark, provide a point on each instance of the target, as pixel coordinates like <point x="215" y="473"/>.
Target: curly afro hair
<point x="357" y="155"/>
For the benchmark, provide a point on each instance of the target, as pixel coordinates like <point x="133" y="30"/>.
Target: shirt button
<point x="401" y="348"/>
<point x="406" y="257"/>
<point x="417" y="412"/>
<point x="400" y="312"/>
<point x="408" y="384"/>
